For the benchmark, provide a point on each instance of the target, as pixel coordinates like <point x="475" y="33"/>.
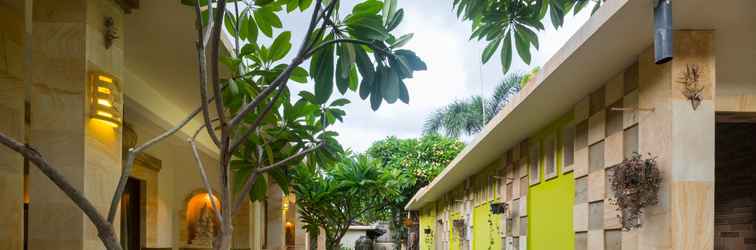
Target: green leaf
<point x="321" y="68"/>
<point x="370" y="7"/>
<point x="292" y="5"/>
<point x="259" y="189"/>
<point x="401" y="41"/>
<point x="389" y="85"/>
<point x="280" y="46"/>
<point x="375" y="92"/>
<point x="263" y="2"/>
<point x="299" y="75"/>
<point x="364" y="64"/>
<point x="353" y="78"/>
<point x="342" y="82"/>
<point x="366" y="27"/>
<point x="414" y="62"/>
<point x="396" y="20"/>
<point x="304" y="4"/>
<point x="523" y="46"/>
<point x="251" y="30"/>
<point x="340" y="102"/>
<point x="556" y="13"/>
<point x="366" y="86"/>
<point x="401" y="67"/>
<point x="228" y="21"/>
<point x="580" y="5"/>
<point x="347" y="57"/>
<point x="264" y="26"/>
<point x="529" y="34"/>
<point x="490" y="49"/>
<point x="269" y="16"/>
<point x="389" y="10"/>
<point x="403" y="93"/>
<point x="280" y="176"/>
<point x="233" y="86"/>
<point x="506" y="53"/>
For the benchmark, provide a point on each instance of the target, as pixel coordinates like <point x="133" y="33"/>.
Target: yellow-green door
<point x="486" y="231"/>
<point x="454" y="240"/>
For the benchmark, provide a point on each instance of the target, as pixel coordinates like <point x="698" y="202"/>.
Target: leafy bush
<point x="635" y="184"/>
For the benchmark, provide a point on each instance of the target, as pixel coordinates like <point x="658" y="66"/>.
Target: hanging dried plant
<point x="635" y="184"/>
<point x="691" y="87"/>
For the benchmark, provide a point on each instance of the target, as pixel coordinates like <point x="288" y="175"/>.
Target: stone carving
<point x="204" y="228"/>
<point x="691" y="87"/>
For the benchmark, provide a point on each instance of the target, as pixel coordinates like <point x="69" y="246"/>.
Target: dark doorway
<point x="131" y="221"/>
<point x="735" y="195"/>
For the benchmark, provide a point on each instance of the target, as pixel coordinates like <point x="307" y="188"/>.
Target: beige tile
<point x="596" y="157"/>
<point x="523" y="206"/>
<point x="581" y="190"/>
<point x="596" y="239"/>
<point x="598" y="101"/>
<point x="597" y="127"/>
<point x="596" y="215"/>
<point x="693" y="156"/>
<point x="581" y="162"/>
<point x="582" y="109"/>
<point x="614" y="89"/>
<point x="631" y="78"/>
<point x="613" y="240"/>
<point x="581" y="241"/>
<point x="580" y="217"/>
<point x="611" y="216"/>
<point x="613" y="153"/>
<point x="692" y="215"/>
<point x="596" y="187"/>
<point x="630" y="118"/>
<point x="630" y="240"/>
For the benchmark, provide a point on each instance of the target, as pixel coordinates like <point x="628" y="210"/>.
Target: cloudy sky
<point x="454" y="69"/>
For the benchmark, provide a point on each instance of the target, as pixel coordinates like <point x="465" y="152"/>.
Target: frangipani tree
<point x="250" y="115"/>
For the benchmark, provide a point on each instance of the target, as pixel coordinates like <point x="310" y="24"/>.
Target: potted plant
<point x="635" y="185"/>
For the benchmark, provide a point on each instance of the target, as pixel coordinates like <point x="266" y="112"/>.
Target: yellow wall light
<point x="105" y="99"/>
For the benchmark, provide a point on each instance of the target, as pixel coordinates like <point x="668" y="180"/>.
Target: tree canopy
<point x="514" y="23"/>
<point x="350" y="191"/>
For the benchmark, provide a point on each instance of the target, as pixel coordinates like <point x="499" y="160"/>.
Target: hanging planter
<point x="499" y="208"/>
<point x="635" y="183"/>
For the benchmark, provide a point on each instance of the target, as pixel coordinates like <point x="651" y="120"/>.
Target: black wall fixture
<point x="663" y="31"/>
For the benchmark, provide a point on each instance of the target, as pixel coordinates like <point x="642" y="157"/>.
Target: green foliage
<point x="420" y="159"/>
<point x="469" y="116"/>
<point x="354" y="52"/>
<point x="333" y="197"/>
<point x="508" y="23"/>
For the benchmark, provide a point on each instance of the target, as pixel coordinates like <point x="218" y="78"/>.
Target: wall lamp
<point x="105" y="99"/>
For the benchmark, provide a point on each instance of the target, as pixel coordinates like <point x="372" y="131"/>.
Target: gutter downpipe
<point x="662" y="31"/>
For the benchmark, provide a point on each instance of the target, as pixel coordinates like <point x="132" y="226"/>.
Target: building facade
<point x="51" y="53"/>
<point x="549" y="156"/>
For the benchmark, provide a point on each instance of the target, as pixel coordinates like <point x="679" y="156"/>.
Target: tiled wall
<point x="604" y="137"/>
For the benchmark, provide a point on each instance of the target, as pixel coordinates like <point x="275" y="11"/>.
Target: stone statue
<point x="204" y="229"/>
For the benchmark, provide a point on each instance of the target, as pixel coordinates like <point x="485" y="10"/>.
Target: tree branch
<point x="205" y="181"/>
<point x="251" y="179"/>
<point x="133" y="152"/>
<point x="104" y="228"/>
<point x="345" y="40"/>
<point x="202" y="64"/>
<point x="239" y="141"/>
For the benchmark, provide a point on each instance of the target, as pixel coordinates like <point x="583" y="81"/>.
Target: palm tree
<point x="469" y="116"/>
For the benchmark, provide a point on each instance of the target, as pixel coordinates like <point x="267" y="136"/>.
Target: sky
<point x="454" y="69"/>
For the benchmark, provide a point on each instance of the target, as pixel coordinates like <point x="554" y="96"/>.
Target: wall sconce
<point x="105" y="99"/>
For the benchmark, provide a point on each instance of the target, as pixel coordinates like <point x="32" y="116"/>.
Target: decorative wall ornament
<point x="110" y="32"/>
<point x="692" y="89"/>
<point x="635" y="184"/>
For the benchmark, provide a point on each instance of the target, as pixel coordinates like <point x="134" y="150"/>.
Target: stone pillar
<point x="68" y="42"/>
<point x="683" y="140"/>
<point x="12" y="42"/>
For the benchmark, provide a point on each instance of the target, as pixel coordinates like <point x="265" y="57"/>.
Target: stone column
<point x="683" y="139"/>
<point x="12" y="42"/>
<point x="68" y="42"/>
